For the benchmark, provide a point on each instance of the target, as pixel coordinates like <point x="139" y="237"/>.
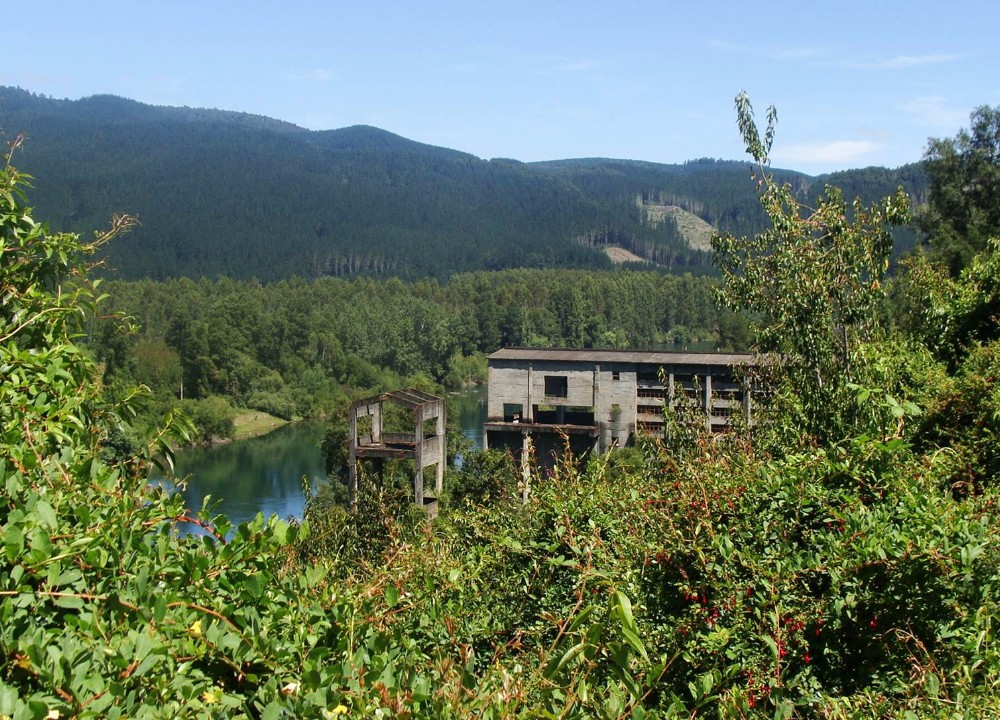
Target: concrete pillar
<point x="525" y="465"/>
<point x="352" y="457"/>
<point x="442" y="440"/>
<point x="528" y="414"/>
<point x="418" y="457"/>
<point x="708" y="401"/>
<point x="376" y="413"/>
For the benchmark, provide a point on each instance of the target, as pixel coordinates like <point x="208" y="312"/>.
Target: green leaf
<point x="391" y="595"/>
<point x="159" y="608"/>
<point x="634" y="642"/>
<point x="568" y="657"/>
<point x="46" y="515"/>
<point x="707" y="682"/>
<point x="273" y="711"/>
<point x="41" y="546"/>
<point x="625" y="608"/>
<point x="281" y="532"/>
<point x="70" y="602"/>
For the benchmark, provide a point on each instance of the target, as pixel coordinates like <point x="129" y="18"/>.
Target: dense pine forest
<point x="299" y="349"/>
<point x="221" y="193"/>
<point x="838" y="559"/>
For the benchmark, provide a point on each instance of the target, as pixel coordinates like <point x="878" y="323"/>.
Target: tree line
<point x="296" y="348"/>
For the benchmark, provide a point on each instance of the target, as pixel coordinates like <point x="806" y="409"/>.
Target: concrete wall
<point x="611" y="389"/>
<point x="601" y="387"/>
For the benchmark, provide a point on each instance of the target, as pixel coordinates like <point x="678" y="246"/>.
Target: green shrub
<point x="487" y="477"/>
<point x="213" y="417"/>
<point x="273" y="403"/>
<point x="962" y="423"/>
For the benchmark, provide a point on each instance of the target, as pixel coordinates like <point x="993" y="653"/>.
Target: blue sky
<point x="855" y="83"/>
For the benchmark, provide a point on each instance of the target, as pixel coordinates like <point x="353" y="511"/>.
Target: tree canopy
<point x="964" y="184"/>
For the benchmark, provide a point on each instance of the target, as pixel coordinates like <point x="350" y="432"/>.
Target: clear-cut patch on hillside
<point x="695" y="231"/>
<point x="619" y="255"/>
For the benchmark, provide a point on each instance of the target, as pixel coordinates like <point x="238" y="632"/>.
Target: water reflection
<point x="262" y="474"/>
<point x="469" y="408"/>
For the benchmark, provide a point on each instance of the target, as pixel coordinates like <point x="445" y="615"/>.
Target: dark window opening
<point x="513" y="412"/>
<point x="563" y="415"/>
<point x="556" y="386"/>
<point x="615" y="375"/>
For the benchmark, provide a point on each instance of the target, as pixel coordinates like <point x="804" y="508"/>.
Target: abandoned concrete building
<point x="599" y="399"/>
<point x="426" y="445"/>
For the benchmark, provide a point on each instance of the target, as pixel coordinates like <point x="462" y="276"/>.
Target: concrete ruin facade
<point x="426" y="445"/>
<point x="599" y="399"/>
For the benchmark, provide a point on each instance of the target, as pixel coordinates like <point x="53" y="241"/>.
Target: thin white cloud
<point x="796" y="53"/>
<point x="872" y="133"/>
<point x="904" y="61"/>
<point x="934" y="111"/>
<point x="551" y="64"/>
<point x="314" y="75"/>
<point x="780" y="54"/>
<point x="837" y="152"/>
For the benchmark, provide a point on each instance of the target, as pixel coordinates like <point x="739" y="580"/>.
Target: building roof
<point x="407" y="397"/>
<point x="650" y="357"/>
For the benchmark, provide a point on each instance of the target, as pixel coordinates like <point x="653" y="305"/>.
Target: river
<point x="265" y="474"/>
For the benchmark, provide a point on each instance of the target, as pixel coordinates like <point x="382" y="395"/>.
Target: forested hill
<point x="225" y="193"/>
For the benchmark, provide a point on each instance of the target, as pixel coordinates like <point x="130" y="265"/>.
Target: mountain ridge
<point x="227" y="193"/>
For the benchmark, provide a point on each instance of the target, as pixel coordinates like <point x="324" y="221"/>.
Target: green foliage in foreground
<point x="840" y="580"/>
<point x="813" y="282"/>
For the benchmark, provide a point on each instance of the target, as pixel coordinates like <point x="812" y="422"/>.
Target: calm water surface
<point x="265" y="474"/>
<point x="469" y="409"/>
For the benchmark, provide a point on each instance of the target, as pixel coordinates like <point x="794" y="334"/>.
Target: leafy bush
<point x="273" y="403"/>
<point x="951" y="316"/>
<point x="487" y="477"/>
<point x="962" y="423"/>
<point x="212" y="417"/>
<point x="812" y="284"/>
<point x="834" y="580"/>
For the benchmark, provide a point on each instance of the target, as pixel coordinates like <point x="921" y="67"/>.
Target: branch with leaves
<point x="813" y="282"/>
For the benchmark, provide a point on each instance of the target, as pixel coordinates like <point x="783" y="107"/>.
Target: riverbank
<point x="253" y="423"/>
